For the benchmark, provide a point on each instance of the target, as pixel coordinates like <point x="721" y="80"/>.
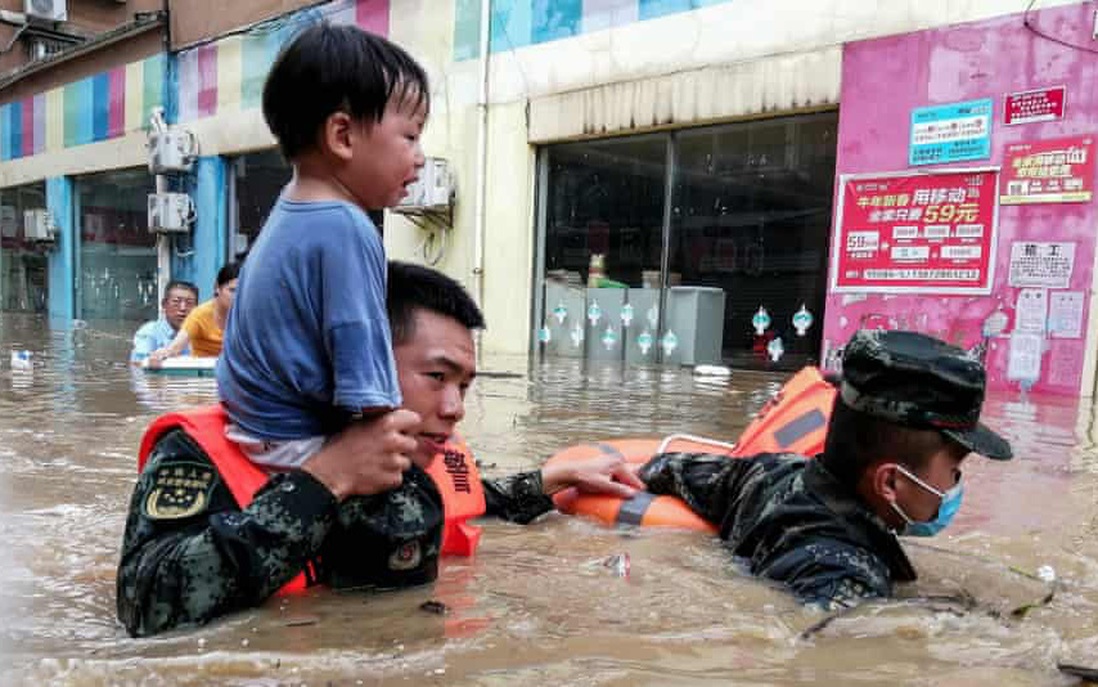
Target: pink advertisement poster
<point x="916" y="233"/>
<point x="1055" y="171"/>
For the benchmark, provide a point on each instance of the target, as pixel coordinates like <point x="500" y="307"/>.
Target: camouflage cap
<point x="918" y="381"/>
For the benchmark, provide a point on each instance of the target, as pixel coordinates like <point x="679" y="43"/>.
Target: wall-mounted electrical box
<point x="170" y="212"/>
<point x="433" y="191"/>
<point x="38" y="225"/>
<point x="47" y="10"/>
<point x="172" y="150"/>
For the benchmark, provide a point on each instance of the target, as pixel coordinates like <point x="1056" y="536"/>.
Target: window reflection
<point x="751" y="216"/>
<point x="117" y="250"/>
<point x="606" y="198"/>
<point x="749" y="226"/>
<point x="260" y="178"/>
<point x="24" y="284"/>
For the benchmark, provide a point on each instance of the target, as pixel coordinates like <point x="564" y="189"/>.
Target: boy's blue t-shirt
<point x="307" y="341"/>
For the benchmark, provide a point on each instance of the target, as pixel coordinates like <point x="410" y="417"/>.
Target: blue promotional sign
<point x="951" y="133"/>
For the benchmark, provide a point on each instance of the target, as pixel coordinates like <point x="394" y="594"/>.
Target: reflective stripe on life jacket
<point x="794" y="421"/>
<point x="454" y="473"/>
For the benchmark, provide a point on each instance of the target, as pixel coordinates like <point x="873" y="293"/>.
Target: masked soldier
<point x="906" y="416"/>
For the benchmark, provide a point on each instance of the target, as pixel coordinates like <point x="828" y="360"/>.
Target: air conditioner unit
<point x="49" y="10"/>
<point x="171" y="150"/>
<point x="170" y="212"/>
<point x="38" y="225"/>
<point x="434" y="190"/>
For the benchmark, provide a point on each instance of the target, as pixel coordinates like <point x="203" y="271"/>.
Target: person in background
<point x="202" y="330"/>
<point x="179" y="300"/>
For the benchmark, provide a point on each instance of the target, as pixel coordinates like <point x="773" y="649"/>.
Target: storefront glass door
<point x="604" y="212"/>
<point x="117" y="253"/>
<point x="24" y="280"/>
<point x="731" y="271"/>
<point x="751" y="216"/>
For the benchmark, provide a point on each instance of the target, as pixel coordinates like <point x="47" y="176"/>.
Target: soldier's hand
<point x="368" y="457"/>
<point x="609" y="475"/>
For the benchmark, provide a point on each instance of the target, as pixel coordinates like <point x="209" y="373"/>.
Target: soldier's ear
<point x="883" y="480"/>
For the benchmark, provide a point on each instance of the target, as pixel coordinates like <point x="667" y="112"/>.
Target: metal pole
<point x="480" y="202"/>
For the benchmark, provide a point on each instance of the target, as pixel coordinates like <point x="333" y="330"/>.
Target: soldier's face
<point x="942" y="472"/>
<point x="435" y="365"/>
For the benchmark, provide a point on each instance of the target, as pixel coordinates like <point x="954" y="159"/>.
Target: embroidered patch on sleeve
<point x="179" y="491"/>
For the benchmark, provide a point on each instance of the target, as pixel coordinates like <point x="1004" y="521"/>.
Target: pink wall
<point x="883" y="80"/>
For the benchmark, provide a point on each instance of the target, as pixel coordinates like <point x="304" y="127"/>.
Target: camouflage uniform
<point x="190" y="554"/>
<point x="791" y="521"/>
<point x="791" y="518"/>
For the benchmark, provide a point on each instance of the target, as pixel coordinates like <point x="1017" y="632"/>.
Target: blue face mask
<point x="950" y="504"/>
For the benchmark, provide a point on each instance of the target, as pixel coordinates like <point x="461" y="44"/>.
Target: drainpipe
<point x="482" y="153"/>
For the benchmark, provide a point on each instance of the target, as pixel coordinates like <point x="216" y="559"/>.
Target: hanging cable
<point x="1033" y="28"/>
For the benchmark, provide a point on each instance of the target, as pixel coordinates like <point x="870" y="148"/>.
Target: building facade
<point x="644" y="181"/>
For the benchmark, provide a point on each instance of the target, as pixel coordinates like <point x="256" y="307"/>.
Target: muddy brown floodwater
<point x="538" y="606"/>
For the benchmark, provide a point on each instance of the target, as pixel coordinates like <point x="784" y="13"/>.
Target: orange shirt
<point x="201" y="326"/>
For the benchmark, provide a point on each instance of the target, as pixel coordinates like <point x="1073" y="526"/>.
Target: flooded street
<point x="538" y="606"/>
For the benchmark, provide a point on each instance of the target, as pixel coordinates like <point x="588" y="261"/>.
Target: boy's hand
<point x="368" y="457"/>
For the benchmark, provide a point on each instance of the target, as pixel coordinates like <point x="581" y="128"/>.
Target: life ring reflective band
<point x="794" y="421"/>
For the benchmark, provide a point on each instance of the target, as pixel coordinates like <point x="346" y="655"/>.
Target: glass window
<point x="24" y="278"/>
<point x="606" y="198"/>
<point x="751" y="216"/>
<point x="603" y="241"/>
<point x="259" y="178"/>
<point x="748" y="229"/>
<point x="117" y="260"/>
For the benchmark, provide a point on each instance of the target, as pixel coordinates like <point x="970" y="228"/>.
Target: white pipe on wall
<point x="480" y="209"/>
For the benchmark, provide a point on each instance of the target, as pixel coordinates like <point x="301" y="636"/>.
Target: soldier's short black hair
<point x="415" y="287"/>
<point x="180" y="284"/>
<point x="326" y="69"/>
<point x="228" y="272"/>
<point x="856" y="440"/>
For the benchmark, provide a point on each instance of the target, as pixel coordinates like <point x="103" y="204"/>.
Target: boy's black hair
<point x="856" y="440"/>
<point x="228" y="272"/>
<point x="327" y="69"/>
<point x="414" y="287"/>
<point x="180" y="284"/>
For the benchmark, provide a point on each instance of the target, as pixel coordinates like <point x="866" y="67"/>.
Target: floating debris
<point x="301" y="621"/>
<point x="618" y="564"/>
<point x="1082" y="672"/>
<point x="712" y="371"/>
<point x="436" y="607"/>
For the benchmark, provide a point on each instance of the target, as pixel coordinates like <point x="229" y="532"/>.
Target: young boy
<point x="307" y="348"/>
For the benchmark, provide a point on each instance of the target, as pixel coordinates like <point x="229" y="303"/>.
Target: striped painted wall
<point x="94" y="108"/>
<point x="227" y="75"/>
<point x="518" y="23"/>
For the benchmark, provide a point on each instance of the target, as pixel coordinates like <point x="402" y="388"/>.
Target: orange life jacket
<point x="454" y="473"/>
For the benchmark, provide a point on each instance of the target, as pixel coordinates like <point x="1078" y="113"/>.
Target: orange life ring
<point x="794" y="421"/>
